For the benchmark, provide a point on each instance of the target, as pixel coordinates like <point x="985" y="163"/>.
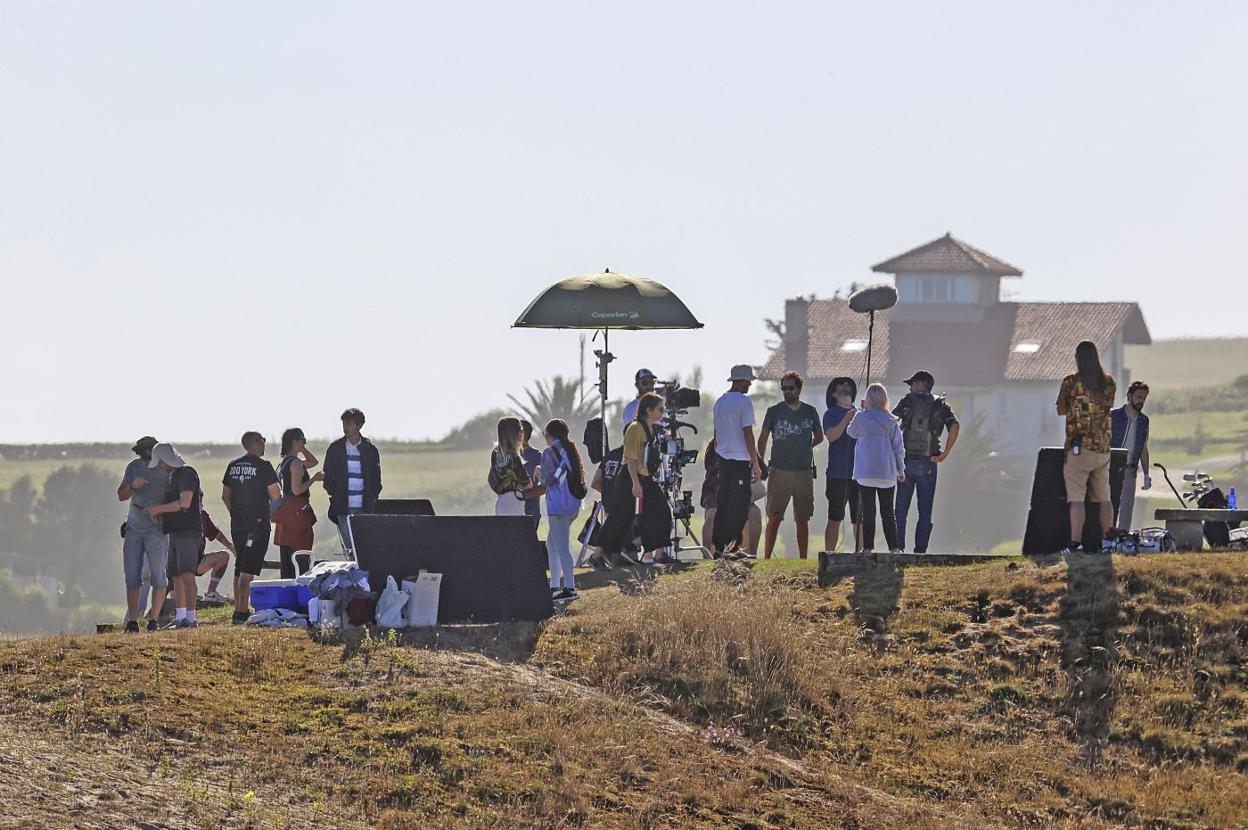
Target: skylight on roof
<point x="854" y="345"/>
<point x="1026" y="347"/>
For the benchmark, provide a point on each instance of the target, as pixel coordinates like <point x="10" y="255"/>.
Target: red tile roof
<point x="948" y="254"/>
<point x="964" y="354"/>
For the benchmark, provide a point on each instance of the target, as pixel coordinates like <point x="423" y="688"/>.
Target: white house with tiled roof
<point x="1001" y="359"/>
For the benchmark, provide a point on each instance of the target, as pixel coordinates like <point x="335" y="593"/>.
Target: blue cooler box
<point x="276" y="593"/>
<point x="303" y="595"/>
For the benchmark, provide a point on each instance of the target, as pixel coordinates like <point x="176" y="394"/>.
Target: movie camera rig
<point x="674" y="456"/>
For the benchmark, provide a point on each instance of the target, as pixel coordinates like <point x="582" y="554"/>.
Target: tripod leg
<point x="593" y="523"/>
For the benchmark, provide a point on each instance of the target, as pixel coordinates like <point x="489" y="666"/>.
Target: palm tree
<point x="559" y="398"/>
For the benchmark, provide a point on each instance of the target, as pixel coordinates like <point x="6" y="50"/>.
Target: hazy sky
<point x="221" y="216"/>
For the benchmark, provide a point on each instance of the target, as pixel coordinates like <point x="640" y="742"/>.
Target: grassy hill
<point x="1104" y="693"/>
<point x="1189" y="363"/>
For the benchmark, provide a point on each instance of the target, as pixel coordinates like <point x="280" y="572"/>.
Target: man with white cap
<point x="738" y="459"/>
<point x="143" y="542"/>
<point x="183" y="525"/>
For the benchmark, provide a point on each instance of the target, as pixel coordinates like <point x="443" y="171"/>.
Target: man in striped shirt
<point x="352" y="475"/>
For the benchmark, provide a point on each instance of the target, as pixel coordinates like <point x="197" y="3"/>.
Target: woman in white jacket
<point x="879" y="464"/>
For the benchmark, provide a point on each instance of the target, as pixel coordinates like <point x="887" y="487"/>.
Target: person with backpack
<point x="1085" y="400"/>
<point x="294" y="518"/>
<point x="924" y="417"/>
<point x="563" y="473"/>
<point x="879" y="464"/>
<point x="636" y="495"/>
<point x="508" y="477"/>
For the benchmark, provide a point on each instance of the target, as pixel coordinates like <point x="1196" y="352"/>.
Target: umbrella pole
<point x="604" y="359"/>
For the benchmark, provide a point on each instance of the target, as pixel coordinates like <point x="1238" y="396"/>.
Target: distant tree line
<point x="69" y="531"/>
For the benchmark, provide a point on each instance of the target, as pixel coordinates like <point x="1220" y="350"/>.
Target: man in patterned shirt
<point x="1086" y="399"/>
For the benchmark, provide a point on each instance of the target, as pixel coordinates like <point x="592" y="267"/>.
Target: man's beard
<point x="791" y="398"/>
<point x="1138" y="407"/>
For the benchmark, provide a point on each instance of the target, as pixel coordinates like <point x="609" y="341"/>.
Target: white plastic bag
<point x="390" y="605"/>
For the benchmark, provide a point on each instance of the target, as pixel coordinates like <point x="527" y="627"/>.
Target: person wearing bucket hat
<point x="143" y="543"/>
<point x="923" y="417"/>
<point x="181" y="519"/>
<point x="738" y="459"/>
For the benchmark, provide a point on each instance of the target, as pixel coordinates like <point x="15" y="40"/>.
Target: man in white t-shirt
<point x="738" y="459"/>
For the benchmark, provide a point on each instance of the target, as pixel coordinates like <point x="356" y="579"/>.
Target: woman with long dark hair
<point x="563" y="473"/>
<point x="1086" y="400"/>
<point x="293" y="522"/>
<point x="507" y="477"/>
<point x="637" y="494"/>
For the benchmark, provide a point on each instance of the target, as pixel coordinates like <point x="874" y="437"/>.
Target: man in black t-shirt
<point x="179" y="517"/>
<point x="247" y="487"/>
<point x="795" y="429"/>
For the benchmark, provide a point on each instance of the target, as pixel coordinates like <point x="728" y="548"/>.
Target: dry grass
<point x="1106" y="693"/>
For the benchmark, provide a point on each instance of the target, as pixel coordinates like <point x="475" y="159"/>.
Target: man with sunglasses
<point x="796" y="430"/>
<point x="644" y="381"/>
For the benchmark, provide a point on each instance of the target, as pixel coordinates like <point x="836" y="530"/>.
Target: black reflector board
<point x="1048" y="520"/>
<point x="492" y="567"/>
<point x="404" y="507"/>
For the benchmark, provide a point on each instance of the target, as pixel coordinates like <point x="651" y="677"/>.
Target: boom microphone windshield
<point x="873" y="298"/>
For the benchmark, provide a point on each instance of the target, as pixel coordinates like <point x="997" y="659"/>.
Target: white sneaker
<point x="215" y="596"/>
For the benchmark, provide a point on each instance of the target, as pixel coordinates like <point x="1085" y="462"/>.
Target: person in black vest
<point x="924" y="417"/>
<point x="179" y="517"/>
<point x="352" y="475"/>
<point x="248" y="486"/>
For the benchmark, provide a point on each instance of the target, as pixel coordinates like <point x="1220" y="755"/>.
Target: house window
<point x="937" y="289"/>
<point x="854" y="346"/>
<point x="1026" y="347"/>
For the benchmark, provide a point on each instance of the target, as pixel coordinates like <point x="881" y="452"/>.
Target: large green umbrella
<point x="604" y="302"/>
<point x="607" y="301"/>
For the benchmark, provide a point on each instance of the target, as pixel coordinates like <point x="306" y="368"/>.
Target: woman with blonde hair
<point x="879" y="464"/>
<point x="507" y="477"/>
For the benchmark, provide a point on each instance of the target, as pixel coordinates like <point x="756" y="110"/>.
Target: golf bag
<point x="1217" y="534"/>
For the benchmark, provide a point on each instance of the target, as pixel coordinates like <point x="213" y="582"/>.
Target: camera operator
<point x="637" y="494"/>
<point x="738" y="459"/>
<point x="644" y="380"/>
<point x="1085" y="400"/>
<point x="797" y="431"/>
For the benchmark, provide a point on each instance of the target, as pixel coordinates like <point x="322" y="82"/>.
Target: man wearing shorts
<point x="1088" y="440"/>
<point x="247" y="487"/>
<point x="795" y="430"/>
<point x="179" y="516"/>
<point x="841" y="489"/>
